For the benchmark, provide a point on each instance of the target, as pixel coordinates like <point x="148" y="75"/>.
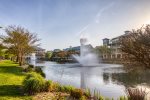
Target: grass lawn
<point x="11" y="78"/>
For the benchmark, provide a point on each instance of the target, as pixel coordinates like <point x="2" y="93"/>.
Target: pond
<point x="111" y="80"/>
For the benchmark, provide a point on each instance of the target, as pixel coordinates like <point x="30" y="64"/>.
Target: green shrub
<point x="32" y="74"/>
<point x="77" y="93"/>
<point x="48" y="85"/>
<point x="101" y="98"/>
<point x="69" y="88"/>
<point x="66" y="88"/>
<point x="52" y="86"/>
<point x="33" y="83"/>
<point x="123" y="98"/>
<point x="55" y="87"/>
<point x="97" y="95"/>
<point x="61" y="88"/>
<point x="31" y="66"/>
<point x="106" y="98"/>
<point x="28" y="69"/>
<point x="83" y="98"/>
<point x="40" y="71"/>
<point x="87" y="93"/>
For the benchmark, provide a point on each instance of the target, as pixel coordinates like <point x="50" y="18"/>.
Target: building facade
<point x="56" y="50"/>
<point x="115" y="47"/>
<point x="38" y="53"/>
<point x="76" y="49"/>
<point x="105" y="42"/>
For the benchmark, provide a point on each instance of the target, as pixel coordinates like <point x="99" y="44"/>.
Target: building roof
<point x="126" y="33"/>
<point x="77" y="47"/>
<point x="105" y="39"/>
<point x="72" y="48"/>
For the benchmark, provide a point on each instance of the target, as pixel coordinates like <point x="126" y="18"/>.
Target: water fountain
<point x="87" y="57"/>
<point x="33" y="59"/>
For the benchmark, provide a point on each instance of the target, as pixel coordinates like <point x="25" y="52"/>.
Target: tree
<point x="20" y="42"/>
<point x="48" y="55"/>
<point x="71" y="52"/>
<point x="137" y="45"/>
<point x="62" y="54"/>
<point x="103" y="50"/>
<point x="2" y="51"/>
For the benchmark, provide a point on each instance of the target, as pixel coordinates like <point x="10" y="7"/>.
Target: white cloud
<point x="101" y="11"/>
<point x="82" y="32"/>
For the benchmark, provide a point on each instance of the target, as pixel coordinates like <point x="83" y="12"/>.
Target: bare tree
<point x="20" y="42"/>
<point x="137" y="45"/>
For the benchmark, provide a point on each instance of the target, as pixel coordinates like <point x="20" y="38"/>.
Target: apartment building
<point x="38" y="53"/>
<point x="115" y="46"/>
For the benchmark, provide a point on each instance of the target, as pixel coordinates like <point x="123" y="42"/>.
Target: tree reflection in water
<point x="136" y="78"/>
<point x="106" y="78"/>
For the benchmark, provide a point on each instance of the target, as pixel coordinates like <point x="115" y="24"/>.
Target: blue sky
<point x="60" y="23"/>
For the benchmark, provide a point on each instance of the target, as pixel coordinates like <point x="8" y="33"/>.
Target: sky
<point x="61" y="23"/>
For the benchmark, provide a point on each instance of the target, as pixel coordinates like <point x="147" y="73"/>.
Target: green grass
<point x="11" y="78"/>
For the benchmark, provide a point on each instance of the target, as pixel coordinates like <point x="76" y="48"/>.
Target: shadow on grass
<point x="11" y="90"/>
<point x="12" y="70"/>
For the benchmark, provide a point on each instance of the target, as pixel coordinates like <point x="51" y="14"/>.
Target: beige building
<point x="39" y="53"/>
<point x="115" y="47"/>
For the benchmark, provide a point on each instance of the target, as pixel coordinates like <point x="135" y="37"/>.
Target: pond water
<point x="111" y="80"/>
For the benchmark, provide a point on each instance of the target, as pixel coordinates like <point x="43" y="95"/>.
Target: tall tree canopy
<point x="2" y="51"/>
<point x="137" y="45"/>
<point x="103" y="50"/>
<point x="48" y="55"/>
<point x="20" y="42"/>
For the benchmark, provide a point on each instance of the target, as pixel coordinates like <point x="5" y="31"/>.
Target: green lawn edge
<point x="11" y="78"/>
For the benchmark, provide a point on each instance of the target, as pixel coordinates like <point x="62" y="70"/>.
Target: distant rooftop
<point x="105" y="39"/>
<point x="77" y="48"/>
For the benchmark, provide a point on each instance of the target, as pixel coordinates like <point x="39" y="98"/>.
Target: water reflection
<point x="83" y="78"/>
<point x="111" y="80"/>
<point x="132" y="78"/>
<point x="106" y="78"/>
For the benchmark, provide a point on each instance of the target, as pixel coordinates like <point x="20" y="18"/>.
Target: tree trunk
<point x="17" y="59"/>
<point x="21" y="61"/>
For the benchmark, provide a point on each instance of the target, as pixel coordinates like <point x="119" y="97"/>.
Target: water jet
<point x="87" y="57"/>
